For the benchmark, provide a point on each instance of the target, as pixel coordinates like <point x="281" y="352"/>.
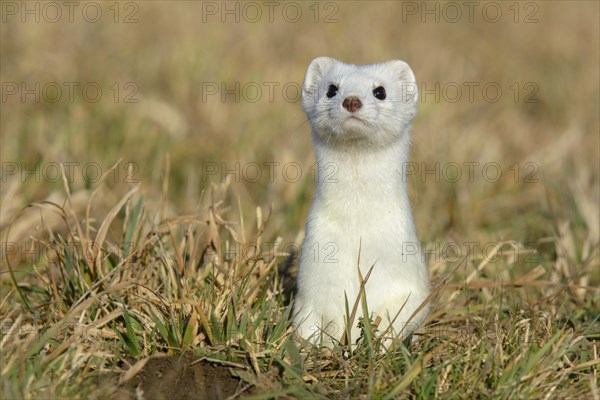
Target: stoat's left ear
<point x="408" y="82"/>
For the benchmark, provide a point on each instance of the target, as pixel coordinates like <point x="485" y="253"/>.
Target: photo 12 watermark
<point x="250" y="92"/>
<point x="252" y="12"/>
<point x="525" y="12"/>
<point x="45" y="331"/>
<point x="469" y="171"/>
<point x="69" y="92"/>
<point x="473" y="91"/>
<point x="69" y="171"/>
<point x="267" y="171"/>
<point x="126" y="12"/>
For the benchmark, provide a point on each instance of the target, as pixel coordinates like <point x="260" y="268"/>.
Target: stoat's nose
<point x="352" y="103"/>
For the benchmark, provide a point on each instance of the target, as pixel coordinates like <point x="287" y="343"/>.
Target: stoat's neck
<point x="355" y="174"/>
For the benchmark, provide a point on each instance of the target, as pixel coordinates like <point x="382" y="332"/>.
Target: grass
<point x="166" y="254"/>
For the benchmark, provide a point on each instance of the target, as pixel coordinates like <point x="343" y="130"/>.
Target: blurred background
<point x="505" y="143"/>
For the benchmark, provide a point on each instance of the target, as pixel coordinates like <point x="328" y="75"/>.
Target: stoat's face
<point x="370" y="104"/>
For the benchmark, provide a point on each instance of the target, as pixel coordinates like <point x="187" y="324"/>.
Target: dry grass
<point x="163" y="255"/>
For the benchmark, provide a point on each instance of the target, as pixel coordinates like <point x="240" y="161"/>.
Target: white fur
<point x="361" y="203"/>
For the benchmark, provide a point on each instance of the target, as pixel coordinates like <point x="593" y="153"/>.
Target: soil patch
<point x="184" y="377"/>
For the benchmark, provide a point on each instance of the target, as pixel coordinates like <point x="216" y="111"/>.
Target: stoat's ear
<point x="408" y="82"/>
<point x="315" y="73"/>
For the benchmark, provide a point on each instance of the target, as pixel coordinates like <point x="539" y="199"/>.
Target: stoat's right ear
<point x="404" y="74"/>
<point x="315" y="72"/>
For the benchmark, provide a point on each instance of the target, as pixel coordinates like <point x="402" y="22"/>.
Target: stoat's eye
<point x="379" y="92"/>
<point x="332" y="91"/>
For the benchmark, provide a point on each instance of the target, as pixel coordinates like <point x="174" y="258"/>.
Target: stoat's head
<point x="368" y="104"/>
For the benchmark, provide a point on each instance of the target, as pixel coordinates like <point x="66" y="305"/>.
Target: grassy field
<point x="157" y="171"/>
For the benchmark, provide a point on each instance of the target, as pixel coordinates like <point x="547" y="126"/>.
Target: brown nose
<point x="352" y="103"/>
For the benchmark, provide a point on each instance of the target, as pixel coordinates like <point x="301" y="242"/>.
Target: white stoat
<point x="360" y="216"/>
